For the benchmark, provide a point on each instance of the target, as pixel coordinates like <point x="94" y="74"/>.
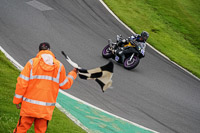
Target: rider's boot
<point x="114" y="51"/>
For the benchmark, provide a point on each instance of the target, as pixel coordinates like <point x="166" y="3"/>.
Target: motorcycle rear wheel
<point x="131" y="64"/>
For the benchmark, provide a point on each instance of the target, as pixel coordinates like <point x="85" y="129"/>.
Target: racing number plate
<point x="117" y="58"/>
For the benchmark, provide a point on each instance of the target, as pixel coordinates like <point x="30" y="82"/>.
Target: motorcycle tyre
<point x="108" y="55"/>
<point x="132" y="66"/>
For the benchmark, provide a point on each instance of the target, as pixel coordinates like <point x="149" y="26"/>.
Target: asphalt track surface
<point x="157" y="94"/>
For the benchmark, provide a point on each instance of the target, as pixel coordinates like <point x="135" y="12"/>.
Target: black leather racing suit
<point x="138" y="49"/>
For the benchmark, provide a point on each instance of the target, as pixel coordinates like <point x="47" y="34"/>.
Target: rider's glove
<point x="124" y="41"/>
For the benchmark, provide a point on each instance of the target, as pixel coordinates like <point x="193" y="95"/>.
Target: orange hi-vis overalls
<point x="37" y="87"/>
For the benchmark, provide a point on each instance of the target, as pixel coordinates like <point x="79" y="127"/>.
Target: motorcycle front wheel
<point x="131" y="63"/>
<point x="106" y="53"/>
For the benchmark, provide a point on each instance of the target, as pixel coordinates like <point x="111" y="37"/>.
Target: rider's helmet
<point x="145" y="35"/>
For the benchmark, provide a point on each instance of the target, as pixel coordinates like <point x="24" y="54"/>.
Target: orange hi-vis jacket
<point x="38" y="85"/>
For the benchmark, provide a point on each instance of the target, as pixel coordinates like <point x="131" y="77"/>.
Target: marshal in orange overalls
<point x="37" y="89"/>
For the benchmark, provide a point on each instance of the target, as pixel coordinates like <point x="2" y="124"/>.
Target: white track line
<point x="147" y="43"/>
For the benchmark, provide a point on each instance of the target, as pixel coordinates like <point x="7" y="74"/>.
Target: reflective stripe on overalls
<point x="43" y="76"/>
<point x="39" y="77"/>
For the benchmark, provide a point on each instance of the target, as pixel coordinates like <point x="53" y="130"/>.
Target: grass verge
<point x="9" y="115"/>
<point x="173" y="26"/>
